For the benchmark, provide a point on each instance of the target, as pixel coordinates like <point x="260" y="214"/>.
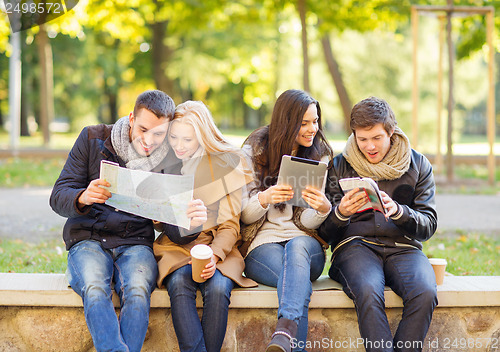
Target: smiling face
<point x="308" y="128"/>
<point x="374" y="142"/>
<point x="147" y="131"/>
<point x="182" y="139"/>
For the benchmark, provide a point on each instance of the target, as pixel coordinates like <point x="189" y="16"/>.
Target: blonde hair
<point x="196" y="114"/>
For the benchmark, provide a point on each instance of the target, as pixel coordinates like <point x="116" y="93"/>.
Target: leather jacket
<point x="414" y="192"/>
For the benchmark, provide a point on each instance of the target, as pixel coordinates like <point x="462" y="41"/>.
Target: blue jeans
<point x="192" y="334"/>
<point x="290" y="266"/>
<point x="363" y="269"/>
<point x="133" y="270"/>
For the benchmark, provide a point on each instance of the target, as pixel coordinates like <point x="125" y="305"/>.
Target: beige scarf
<point x="190" y="164"/>
<point x="393" y="166"/>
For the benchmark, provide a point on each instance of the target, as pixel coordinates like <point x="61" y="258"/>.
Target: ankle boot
<point x="281" y="340"/>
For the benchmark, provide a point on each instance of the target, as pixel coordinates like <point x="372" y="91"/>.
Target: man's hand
<point x="390" y="206"/>
<point x="351" y="202"/>
<point x="317" y="200"/>
<point x="197" y="212"/>
<point x="275" y="194"/>
<point x="95" y="193"/>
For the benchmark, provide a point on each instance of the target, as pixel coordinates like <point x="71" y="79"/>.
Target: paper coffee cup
<point x="201" y="255"/>
<point x="439" y="266"/>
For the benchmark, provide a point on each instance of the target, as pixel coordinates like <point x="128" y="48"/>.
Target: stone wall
<point x="44" y="329"/>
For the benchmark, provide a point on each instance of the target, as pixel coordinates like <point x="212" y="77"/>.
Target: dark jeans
<point x="364" y="268"/>
<point x="193" y="335"/>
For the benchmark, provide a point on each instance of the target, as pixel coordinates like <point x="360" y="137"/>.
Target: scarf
<point x="391" y="167"/>
<point x="189" y="166"/>
<point x="120" y="139"/>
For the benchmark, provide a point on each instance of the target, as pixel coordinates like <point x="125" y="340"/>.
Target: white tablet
<point x="301" y="173"/>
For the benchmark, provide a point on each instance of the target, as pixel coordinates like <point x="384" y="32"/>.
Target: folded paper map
<point x="155" y="196"/>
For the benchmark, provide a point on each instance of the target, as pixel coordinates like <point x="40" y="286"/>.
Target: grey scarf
<point x="120" y="139"/>
<point x="393" y="166"/>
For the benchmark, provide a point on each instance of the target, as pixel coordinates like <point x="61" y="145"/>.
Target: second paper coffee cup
<point x="439" y="266"/>
<point x="201" y="254"/>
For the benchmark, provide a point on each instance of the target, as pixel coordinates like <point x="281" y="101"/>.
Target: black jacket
<point x="414" y="192"/>
<point x="100" y="222"/>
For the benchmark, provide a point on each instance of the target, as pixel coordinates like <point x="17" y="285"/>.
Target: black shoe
<point x="281" y="339"/>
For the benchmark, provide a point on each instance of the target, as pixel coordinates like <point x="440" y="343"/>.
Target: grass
<point x="25" y="172"/>
<point x="473" y="254"/>
<point x="18" y="256"/>
<point x="466" y="254"/>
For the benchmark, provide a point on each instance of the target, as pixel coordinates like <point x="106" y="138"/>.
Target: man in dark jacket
<point x="372" y="249"/>
<point x="107" y="246"/>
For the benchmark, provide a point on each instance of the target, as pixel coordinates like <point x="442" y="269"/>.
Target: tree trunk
<point x="46" y="83"/>
<point x="25" y="108"/>
<point x="161" y="55"/>
<point x="301" y="6"/>
<point x="334" y="69"/>
<point x="113" y="106"/>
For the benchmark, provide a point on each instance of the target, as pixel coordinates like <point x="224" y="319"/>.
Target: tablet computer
<point x="301" y="173"/>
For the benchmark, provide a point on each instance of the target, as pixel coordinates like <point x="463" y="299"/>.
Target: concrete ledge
<point x="52" y="290"/>
<point x="39" y="312"/>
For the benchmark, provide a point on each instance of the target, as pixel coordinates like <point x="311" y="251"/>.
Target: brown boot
<point x="281" y="340"/>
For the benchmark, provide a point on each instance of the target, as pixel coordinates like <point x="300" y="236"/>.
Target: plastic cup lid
<point x="437" y="261"/>
<point x="201" y="251"/>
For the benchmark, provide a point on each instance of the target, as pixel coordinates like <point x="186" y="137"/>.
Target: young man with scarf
<point x="372" y="250"/>
<point x="106" y="246"/>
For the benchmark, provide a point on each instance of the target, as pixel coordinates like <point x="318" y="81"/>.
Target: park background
<point x="89" y="65"/>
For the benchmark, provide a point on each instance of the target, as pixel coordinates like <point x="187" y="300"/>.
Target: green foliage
<point x="17" y="256"/>
<point x="237" y="56"/>
<point x="467" y="253"/>
<point x="17" y="172"/>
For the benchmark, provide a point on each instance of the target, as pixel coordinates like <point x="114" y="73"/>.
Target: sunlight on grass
<point x="467" y="254"/>
<point x="471" y="254"/>
<point x="17" y="172"/>
<point x="17" y="256"/>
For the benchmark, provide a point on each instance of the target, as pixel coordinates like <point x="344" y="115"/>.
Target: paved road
<point x="26" y="214"/>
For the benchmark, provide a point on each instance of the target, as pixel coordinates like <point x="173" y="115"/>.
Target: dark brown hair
<point x="270" y="143"/>
<point x="156" y="101"/>
<point x="370" y="112"/>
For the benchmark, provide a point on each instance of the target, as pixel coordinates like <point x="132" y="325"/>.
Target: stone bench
<point x="39" y="312"/>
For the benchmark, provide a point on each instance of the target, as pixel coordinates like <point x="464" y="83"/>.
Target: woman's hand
<point x="210" y="268"/>
<point x="317" y="200"/>
<point x="351" y="202"/>
<point x="275" y="194"/>
<point x="196" y="213"/>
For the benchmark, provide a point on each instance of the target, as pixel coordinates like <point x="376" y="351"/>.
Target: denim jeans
<point x="364" y="268"/>
<point x="290" y="266"/>
<point x="192" y="334"/>
<point x="133" y="270"/>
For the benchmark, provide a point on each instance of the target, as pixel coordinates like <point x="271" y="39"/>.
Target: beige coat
<point x="220" y="188"/>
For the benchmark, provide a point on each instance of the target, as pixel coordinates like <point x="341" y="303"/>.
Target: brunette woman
<point x="283" y="250"/>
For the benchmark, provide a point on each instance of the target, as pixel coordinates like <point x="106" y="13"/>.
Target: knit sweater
<point x="278" y="226"/>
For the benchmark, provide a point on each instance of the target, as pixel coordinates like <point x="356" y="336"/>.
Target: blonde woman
<point x="219" y="176"/>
